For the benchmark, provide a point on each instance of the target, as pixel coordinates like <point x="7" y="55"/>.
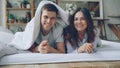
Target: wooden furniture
<point x="101" y="25"/>
<point x="19" y="11"/>
<point x="105" y="64"/>
<point x="115" y="29"/>
<point x="115" y="16"/>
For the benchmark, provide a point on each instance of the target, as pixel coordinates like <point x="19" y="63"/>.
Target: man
<point x="50" y="39"/>
<point x="42" y="34"/>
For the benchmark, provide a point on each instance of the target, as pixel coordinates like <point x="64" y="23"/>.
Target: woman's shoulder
<point x="97" y="31"/>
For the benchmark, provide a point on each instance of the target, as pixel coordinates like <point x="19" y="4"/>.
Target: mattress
<point x="109" y="51"/>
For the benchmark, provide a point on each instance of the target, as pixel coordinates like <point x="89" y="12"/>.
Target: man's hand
<point x="44" y="47"/>
<point x="87" y="47"/>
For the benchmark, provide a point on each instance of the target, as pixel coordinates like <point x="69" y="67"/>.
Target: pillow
<point x="6" y="37"/>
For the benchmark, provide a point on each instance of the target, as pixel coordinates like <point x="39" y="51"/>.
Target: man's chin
<point x="48" y="29"/>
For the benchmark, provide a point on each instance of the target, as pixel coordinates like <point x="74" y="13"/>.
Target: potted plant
<point x="11" y="18"/>
<point x="24" y="3"/>
<point x="24" y="20"/>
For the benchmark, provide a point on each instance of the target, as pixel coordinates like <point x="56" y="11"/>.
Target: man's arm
<point x="44" y="48"/>
<point x="48" y="49"/>
<point x="33" y="48"/>
<point x="60" y="48"/>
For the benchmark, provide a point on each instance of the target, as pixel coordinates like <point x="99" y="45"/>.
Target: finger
<point x="43" y="51"/>
<point x="43" y="43"/>
<point x="88" y="50"/>
<point x="82" y="49"/>
<point x="89" y="47"/>
<point x="43" y="48"/>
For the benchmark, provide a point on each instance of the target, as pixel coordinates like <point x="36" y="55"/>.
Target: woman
<point x="83" y="37"/>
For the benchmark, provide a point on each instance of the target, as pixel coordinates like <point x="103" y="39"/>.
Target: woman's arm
<point x="86" y="47"/>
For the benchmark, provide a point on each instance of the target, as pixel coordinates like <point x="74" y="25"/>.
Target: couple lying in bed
<point x="50" y="32"/>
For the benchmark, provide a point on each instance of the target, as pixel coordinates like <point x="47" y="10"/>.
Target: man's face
<point x="48" y="19"/>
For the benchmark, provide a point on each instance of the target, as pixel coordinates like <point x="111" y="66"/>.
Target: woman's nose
<point x="79" y="21"/>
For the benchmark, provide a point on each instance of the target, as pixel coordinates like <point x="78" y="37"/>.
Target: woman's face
<point x="80" y="22"/>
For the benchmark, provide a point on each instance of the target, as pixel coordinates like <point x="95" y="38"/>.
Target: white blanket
<point x="24" y="40"/>
<point x="108" y="52"/>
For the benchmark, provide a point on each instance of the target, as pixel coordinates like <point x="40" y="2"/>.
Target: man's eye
<point x="53" y="18"/>
<point x="45" y="17"/>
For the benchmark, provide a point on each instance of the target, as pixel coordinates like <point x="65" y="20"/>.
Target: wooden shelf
<point x="115" y="16"/>
<point x="19" y="12"/>
<point x="17" y="24"/>
<point x="18" y="8"/>
<point x="100" y="19"/>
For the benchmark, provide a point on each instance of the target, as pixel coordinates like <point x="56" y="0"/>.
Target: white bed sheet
<point x="6" y="35"/>
<point x="110" y="51"/>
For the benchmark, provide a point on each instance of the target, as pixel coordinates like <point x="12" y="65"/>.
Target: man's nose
<point x="48" y="20"/>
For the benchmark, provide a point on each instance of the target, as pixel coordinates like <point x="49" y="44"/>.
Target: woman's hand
<point x="87" y="47"/>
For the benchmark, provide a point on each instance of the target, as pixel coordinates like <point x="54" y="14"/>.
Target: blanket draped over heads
<point x="24" y="40"/>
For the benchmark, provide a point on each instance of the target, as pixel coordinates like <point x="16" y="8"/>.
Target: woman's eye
<point x="82" y="18"/>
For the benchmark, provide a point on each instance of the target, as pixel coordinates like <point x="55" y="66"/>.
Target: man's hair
<point x="50" y="7"/>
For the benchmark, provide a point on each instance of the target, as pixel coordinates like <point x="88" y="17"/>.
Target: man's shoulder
<point x="57" y="30"/>
<point x="58" y="27"/>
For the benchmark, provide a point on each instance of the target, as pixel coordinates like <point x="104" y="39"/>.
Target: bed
<point x="106" y="56"/>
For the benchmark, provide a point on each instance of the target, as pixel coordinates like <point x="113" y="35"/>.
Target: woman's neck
<point x="81" y="35"/>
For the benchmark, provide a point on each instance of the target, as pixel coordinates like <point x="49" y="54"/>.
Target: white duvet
<point x="110" y="51"/>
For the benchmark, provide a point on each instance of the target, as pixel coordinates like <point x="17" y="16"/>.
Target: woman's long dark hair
<point x="90" y="27"/>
